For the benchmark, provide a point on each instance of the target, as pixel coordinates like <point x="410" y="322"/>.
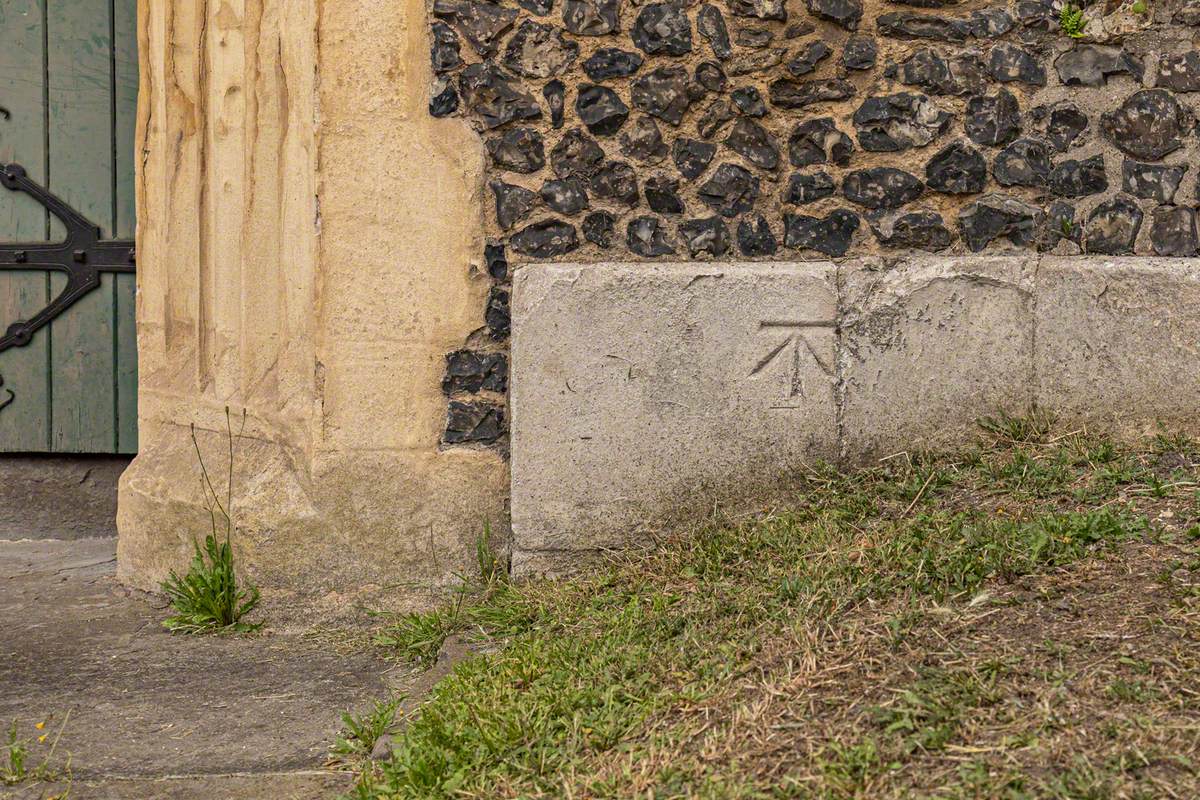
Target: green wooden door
<point x="68" y="87"/>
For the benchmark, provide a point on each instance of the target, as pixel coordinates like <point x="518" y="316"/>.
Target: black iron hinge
<point x="82" y="255"/>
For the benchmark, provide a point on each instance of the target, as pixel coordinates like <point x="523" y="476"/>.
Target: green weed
<point x="209" y="598"/>
<point x="19" y="768"/>
<point x="1071" y="21"/>
<point x="360" y="733"/>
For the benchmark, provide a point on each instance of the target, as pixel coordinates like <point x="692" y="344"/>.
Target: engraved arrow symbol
<point x="798" y="343"/>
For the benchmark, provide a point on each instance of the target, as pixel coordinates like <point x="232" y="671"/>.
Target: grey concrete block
<point x="1118" y="342"/>
<point x="929" y="345"/>
<point x="635" y="385"/>
<point x="59" y="497"/>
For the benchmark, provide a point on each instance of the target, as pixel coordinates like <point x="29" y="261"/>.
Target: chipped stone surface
<point x="713" y="376"/>
<point x="931" y="345"/>
<point x="1118" y="340"/>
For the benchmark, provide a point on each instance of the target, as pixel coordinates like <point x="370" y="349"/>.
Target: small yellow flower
<point x="40" y="725"/>
<point x="42" y="738"/>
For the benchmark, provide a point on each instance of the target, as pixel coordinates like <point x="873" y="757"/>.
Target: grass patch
<point x="910" y="630"/>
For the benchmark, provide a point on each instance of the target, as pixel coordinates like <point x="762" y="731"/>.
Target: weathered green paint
<point x="125" y="60"/>
<point x="25" y="423"/>
<point x="68" y="74"/>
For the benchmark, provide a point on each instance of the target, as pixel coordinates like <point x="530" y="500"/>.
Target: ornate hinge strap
<point x="82" y="255"/>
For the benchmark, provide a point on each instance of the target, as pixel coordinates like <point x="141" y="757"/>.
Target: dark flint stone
<point x="663" y="93"/>
<point x="444" y="52"/>
<point x="1148" y="125"/>
<point x="797" y="29"/>
<point x="798" y="94"/>
<point x="600" y="109"/>
<point x="752" y="142"/>
<point x="473" y="422"/>
<point x="642" y="140"/>
<point x="1113" y="226"/>
<point x="846" y="13"/>
<point x="590" y="17"/>
<point x="756" y="61"/>
<point x="1007" y="63"/>
<point x="1038" y="15"/>
<point x="760" y="9"/>
<point x="1065" y="126"/>
<point x="617" y="181"/>
<point x="492" y="96"/>
<point x="710" y="75"/>
<point x="859" y="52"/>
<point x="545" y="239"/>
<point x="692" y="156"/>
<point x="806" y="188"/>
<point x="662" y="195"/>
<point x="1173" y="231"/>
<point x="518" y="149"/>
<point x="936" y="75"/>
<point x="576" y="154"/>
<point x="555" y="92"/>
<point x="565" y="195"/>
<point x="711" y="25"/>
<point x="809" y="56"/>
<point x="1180" y="72"/>
<point x="496" y="260"/>
<point x="993" y="120"/>
<point x="470" y="371"/>
<point x="830" y="235"/>
<point x="612" y="62"/>
<point x="748" y="101"/>
<point x="715" y="116"/>
<point x="994" y="216"/>
<point x="1057" y="225"/>
<point x="496" y="316"/>
<point x="921" y="26"/>
<point x="513" y="203"/>
<point x="663" y="28"/>
<point x="1025" y="162"/>
<point x="539" y="7"/>
<point x="731" y="190"/>
<point x="647" y="236"/>
<point x="1074" y="178"/>
<point x="598" y="228"/>
<point x="480" y="23"/>
<point x="1151" y="181"/>
<point x="898" y="121"/>
<point x="918" y="230"/>
<point x="818" y="141"/>
<point x="539" y="51"/>
<point x="444" y="100"/>
<point x="989" y="23"/>
<point x="881" y="187"/>
<point x="754" y="237"/>
<point x="754" y="38"/>
<point x="957" y="169"/>
<point x="707" y="235"/>
<point x="1092" y="64"/>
